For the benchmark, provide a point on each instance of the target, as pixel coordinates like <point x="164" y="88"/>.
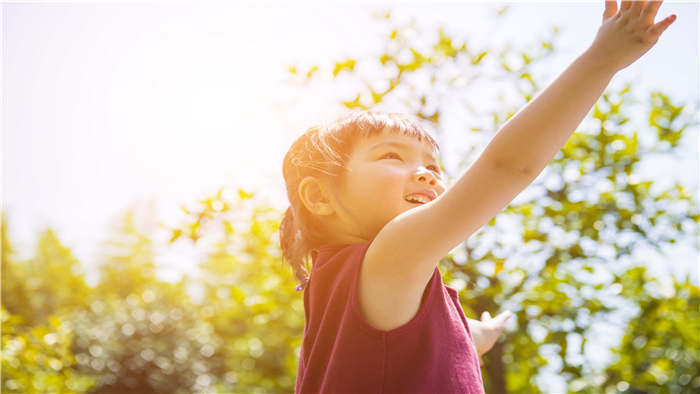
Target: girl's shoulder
<point x="328" y="252"/>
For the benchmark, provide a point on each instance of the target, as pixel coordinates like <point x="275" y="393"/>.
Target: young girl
<point x="370" y="218"/>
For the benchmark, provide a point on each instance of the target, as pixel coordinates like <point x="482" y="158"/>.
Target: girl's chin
<point x="410" y="206"/>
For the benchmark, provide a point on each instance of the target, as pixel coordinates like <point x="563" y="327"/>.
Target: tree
<point x="249" y="293"/>
<point x="14" y="293"/>
<point x="131" y="333"/>
<point x="139" y="334"/>
<point x="558" y="285"/>
<point x="660" y="351"/>
<point x="50" y="283"/>
<point x="127" y="265"/>
<point x="150" y="342"/>
<point x="36" y="355"/>
<point x="38" y="360"/>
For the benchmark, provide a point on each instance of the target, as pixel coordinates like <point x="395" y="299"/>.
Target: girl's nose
<point x="426" y="176"/>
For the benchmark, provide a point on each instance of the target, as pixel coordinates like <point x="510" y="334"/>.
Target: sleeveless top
<point x="341" y="353"/>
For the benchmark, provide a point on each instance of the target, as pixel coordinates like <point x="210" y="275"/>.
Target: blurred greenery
<point x="38" y="359"/>
<point x="237" y="327"/>
<point x="660" y="351"/>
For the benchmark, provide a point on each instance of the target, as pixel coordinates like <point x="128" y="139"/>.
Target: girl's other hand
<point x="627" y="34"/>
<point x="491" y="329"/>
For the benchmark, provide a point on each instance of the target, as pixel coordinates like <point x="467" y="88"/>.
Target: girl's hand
<point x="487" y="331"/>
<point x="627" y="34"/>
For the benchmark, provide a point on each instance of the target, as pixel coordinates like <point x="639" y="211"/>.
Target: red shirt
<point x="341" y="353"/>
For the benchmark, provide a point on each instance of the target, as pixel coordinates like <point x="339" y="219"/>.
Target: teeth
<point x="418" y="197"/>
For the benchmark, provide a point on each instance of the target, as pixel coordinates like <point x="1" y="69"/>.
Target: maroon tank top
<point x="341" y="353"/>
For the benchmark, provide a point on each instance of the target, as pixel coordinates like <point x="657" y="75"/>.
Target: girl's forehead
<point x="396" y="140"/>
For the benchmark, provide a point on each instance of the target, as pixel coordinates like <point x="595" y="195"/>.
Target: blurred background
<point x="142" y="190"/>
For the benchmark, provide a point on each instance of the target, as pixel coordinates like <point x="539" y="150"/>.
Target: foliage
<point x="150" y="342"/>
<point x="36" y="354"/>
<point x="38" y="359"/>
<point x="141" y="334"/>
<point x="14" y="290"/>
<point x="128" y="260"/>
<point x="152" y="339"/>
<point x="52" y="278"/>
<point x="250" y="293"/>
<point x="660" y="351"/>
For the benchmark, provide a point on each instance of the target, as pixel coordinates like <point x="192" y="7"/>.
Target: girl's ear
<point x="313" y="195"/>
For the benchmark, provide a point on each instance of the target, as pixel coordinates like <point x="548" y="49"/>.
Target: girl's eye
<point x="394" y="154"/>
<point x="391" y="154"/>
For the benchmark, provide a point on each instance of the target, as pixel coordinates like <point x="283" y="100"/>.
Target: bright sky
<point x="109" y="105"/>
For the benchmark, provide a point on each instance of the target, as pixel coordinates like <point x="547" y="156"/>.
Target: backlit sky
<point x="107" y="105"/>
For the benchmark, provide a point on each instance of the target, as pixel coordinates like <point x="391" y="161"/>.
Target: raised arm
<point x="529" y="140"/>
<point x="402" y="258"/>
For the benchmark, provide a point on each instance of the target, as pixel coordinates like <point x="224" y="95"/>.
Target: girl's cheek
<point x="388" y="172"/>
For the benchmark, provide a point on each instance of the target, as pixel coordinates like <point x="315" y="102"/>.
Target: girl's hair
<point x="323" y="151"/>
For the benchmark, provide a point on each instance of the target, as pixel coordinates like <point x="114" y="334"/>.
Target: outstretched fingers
<point x="497" y="321"/>
<point x="637" y="6"/>
<point x="659" y="28"/>
<point x="610" y="9"/>
<point x="502" y="317"/>
<point x="625" y="5"/>
<point x="650" y="9"/>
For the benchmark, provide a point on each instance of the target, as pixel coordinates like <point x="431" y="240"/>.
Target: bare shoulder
<point x="387" y="298"/>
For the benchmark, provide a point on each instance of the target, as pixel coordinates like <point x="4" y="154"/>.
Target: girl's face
<point x="381" y="171"/>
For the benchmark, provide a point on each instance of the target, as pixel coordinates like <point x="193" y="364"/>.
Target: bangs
<point x="364" y="124"/>
<point x="323" y="150"/>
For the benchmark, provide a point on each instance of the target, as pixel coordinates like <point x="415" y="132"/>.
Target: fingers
<point x="499" y="319"/>
<point x="636" y="7"/>
<point x="625" y="5"/>
<point x="650" y="9"/>
<point x="646" y="10"/>
<point x="610" y="9"/>
<point x="503" y="316"/>
<point x="659" y="28"/>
